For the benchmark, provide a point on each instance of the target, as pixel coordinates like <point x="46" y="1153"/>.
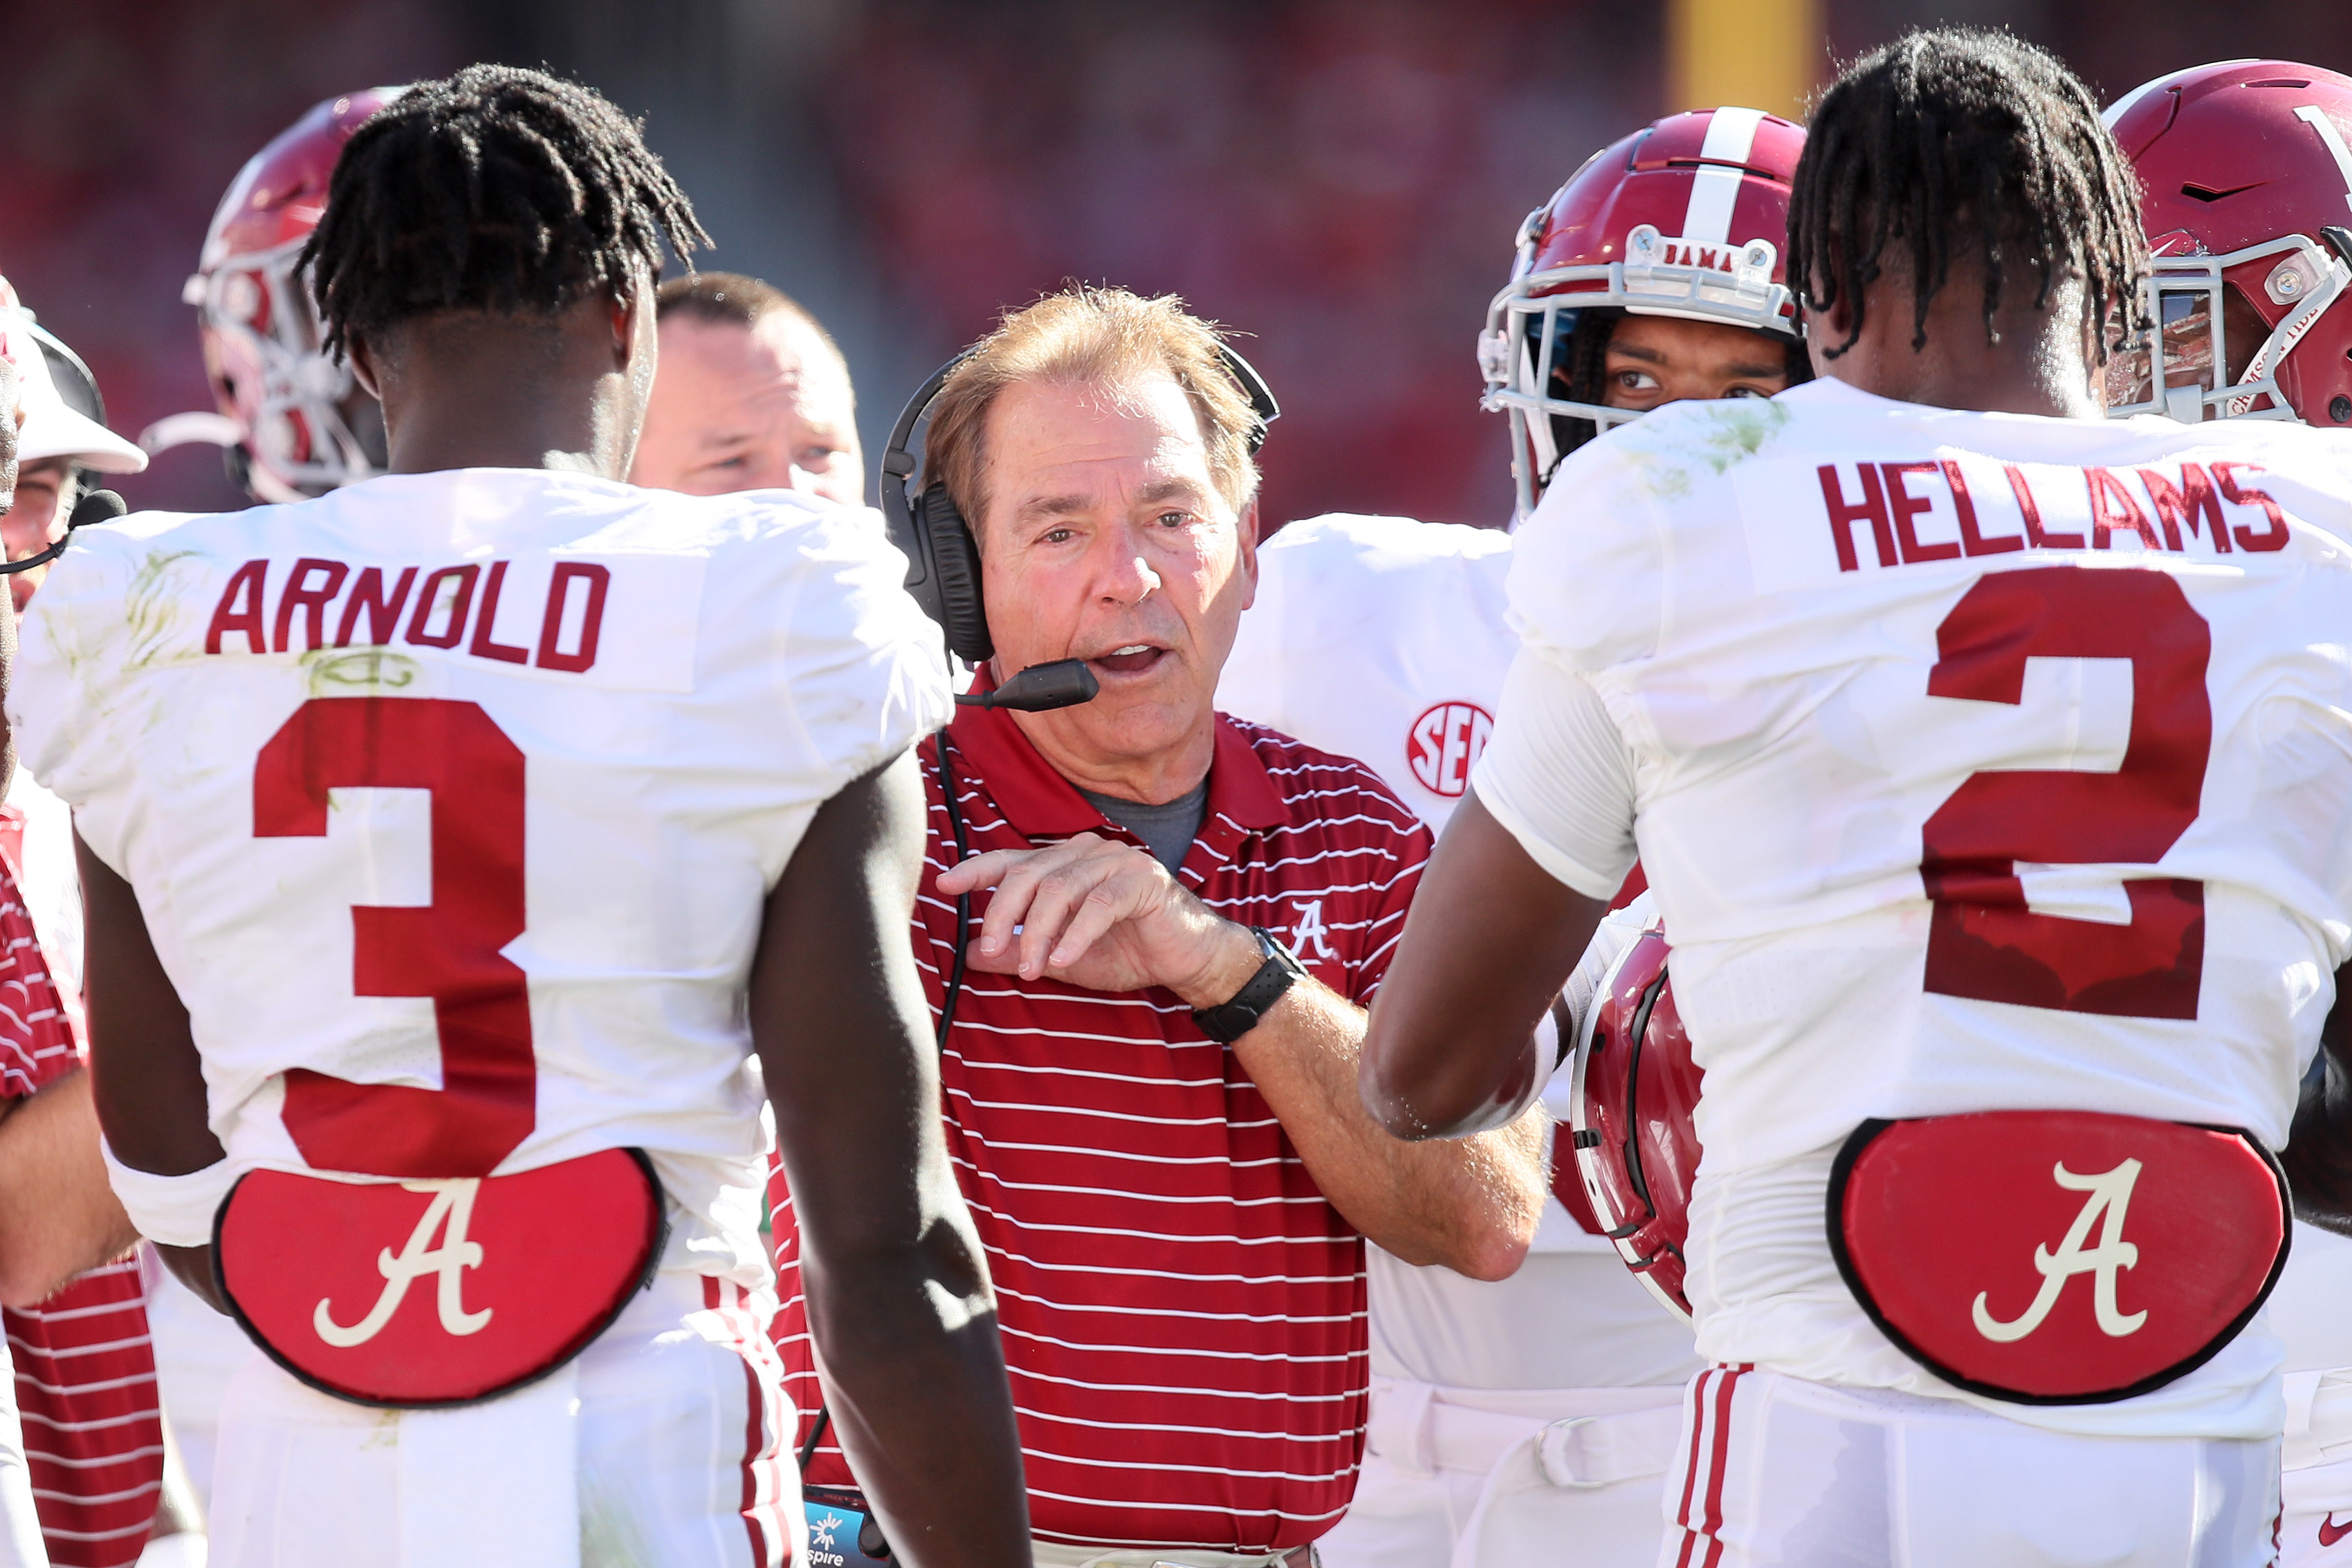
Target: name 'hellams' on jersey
<point x="1980" y="762"/>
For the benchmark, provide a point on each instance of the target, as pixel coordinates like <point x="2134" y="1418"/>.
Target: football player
<point x="1987" y="768"/>
<point x="446" y="861"/>
<point x="2247" y="207"/>
<point x="1654" y="276"/>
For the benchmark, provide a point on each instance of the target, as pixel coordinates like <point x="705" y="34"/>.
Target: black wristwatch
<point x="1235" y="1019"/>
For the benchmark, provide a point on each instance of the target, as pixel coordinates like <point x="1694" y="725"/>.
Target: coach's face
<point x="1105" y="539"/>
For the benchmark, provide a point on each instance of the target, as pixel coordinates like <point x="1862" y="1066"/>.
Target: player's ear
<point x="631" y="317"/>
<point x="360" y="355"/>
<point x="1827" y="327"/>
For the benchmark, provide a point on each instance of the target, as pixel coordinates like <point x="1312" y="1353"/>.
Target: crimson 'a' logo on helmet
<point x="1636" y="1089"/>
<point x="2247" y="170"/>
<point x="1444" y="745"/>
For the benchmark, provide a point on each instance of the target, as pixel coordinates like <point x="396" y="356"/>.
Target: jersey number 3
<point x="449" y="950"/>
<point x="1983" y="942"/>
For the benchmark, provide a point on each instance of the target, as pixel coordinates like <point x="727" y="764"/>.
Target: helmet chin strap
<point x="197" y="428"/>
<point x="269" y="488"/>
<point x="2264" y="365"/>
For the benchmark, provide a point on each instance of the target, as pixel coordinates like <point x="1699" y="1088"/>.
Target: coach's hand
<point x="1102" y="914"/>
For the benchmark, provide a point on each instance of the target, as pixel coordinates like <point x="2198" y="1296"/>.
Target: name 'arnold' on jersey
<point x="576" y="726"/>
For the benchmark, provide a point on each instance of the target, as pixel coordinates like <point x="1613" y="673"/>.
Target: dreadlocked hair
<point x="498" y="189"/>
<point x="1961" y="136"/>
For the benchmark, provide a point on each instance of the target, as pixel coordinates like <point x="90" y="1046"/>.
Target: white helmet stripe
<point x="2317" y="118"/>
<point x="1715" y="189"/>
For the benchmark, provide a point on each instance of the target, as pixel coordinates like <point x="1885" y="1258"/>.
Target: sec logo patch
<point x="1444" y="744"/>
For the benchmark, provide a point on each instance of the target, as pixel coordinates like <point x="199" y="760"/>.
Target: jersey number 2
<point x="449" y="950"/>
<point x="1983" y="942"/>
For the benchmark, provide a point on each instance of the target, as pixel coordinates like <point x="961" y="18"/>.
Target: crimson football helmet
<point x="2248" y="173"/>
<point x="1635" y="1092"/>
<point x="296" y="422"/>
<point x="1688" y="216"/>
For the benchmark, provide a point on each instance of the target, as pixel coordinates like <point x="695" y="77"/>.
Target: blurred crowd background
<point x="1340" y="178"/>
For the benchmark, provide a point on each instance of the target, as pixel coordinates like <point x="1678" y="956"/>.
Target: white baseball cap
<point x="50" y="428"/>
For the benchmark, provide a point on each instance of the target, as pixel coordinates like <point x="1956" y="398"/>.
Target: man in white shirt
<point x="2255" y="298"/>
<point x="1521" y="1419"/>
<point x="1987" y="769"/>
<point x="451" y="841"/>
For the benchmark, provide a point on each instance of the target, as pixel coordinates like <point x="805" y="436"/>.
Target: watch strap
<point x="1228" y="1022"/>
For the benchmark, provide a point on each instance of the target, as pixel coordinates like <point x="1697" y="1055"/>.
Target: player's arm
<point x="1494" y="931"/>
<point x="58" y="1216"/>
<point x="147" y="1080"/>
<point x="2318" y="1155"/>
<point x="1491" y="939"/>
<point x="898" y="1298"/>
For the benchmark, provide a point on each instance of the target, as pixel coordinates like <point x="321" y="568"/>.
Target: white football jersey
<point x="443" y="763"/>
<point x="1867" y="661"/>
<point x="1382" y="639"/>
<point x="1387" y="639"/>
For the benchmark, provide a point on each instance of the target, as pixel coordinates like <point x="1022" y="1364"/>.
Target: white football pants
<point x="1560" y="1477"/>
<point x="659" y="1445"/>
<point x="1782" y="1471"/>
<point x="2315" y="1519"/>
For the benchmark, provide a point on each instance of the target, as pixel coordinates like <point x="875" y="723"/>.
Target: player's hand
<point x="1101" y="915"/>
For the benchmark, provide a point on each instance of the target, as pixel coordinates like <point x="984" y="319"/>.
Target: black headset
<point x="942" y="562"/>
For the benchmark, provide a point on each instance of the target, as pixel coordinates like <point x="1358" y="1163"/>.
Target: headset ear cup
<point x="955" y="562"/>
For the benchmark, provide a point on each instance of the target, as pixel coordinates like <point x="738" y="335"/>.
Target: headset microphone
<point x="98" y="506"/>
<point x="1039" y="689"/>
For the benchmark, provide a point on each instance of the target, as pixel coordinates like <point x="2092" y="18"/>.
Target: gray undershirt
<point x="1169" y="829"/>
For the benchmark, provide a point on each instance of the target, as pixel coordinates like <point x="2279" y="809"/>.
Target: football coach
<point x="1149" y="932"/>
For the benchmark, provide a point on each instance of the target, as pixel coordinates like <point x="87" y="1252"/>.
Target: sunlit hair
<point x="732" y="299"/>
<point x="1085" y="337"/>
<point x="1957" y="139"/>
<point x="498" y="189"/>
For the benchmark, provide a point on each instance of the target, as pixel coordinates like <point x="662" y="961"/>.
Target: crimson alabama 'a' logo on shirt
<point x="1444" y="743"/>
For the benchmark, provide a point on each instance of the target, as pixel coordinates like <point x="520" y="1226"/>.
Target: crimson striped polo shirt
<point x="1182" y="1313"/>
<point x="84" y="1371"/>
